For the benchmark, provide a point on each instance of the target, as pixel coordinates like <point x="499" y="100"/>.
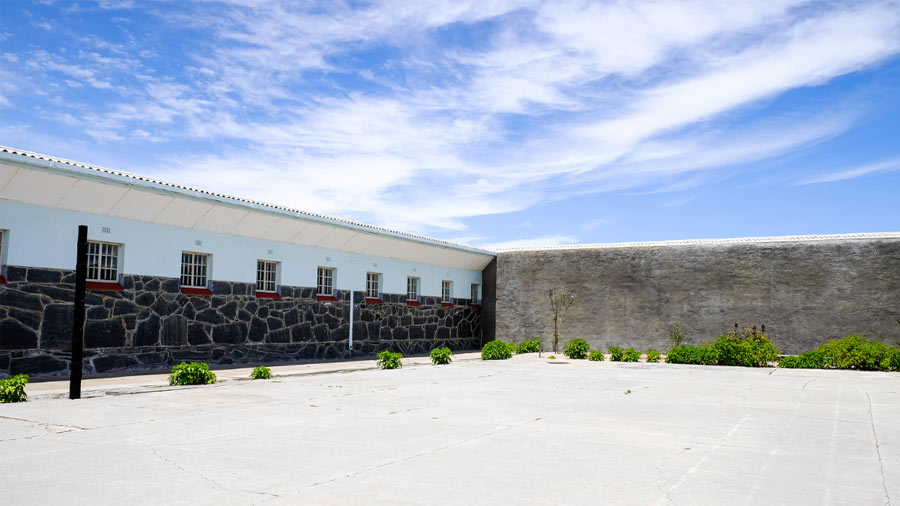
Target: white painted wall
<point x="45" y="237"/>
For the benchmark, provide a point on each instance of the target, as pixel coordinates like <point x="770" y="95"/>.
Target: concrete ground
<point x="524" y="431"/>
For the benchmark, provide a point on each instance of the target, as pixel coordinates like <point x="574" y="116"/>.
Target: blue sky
<point x="492" y="123"/>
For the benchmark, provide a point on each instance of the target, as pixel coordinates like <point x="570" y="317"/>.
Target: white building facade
<point x="180" y="273"/>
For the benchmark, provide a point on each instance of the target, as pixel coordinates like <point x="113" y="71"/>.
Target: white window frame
<point x="104" y="261"/>
<point x="412" y="288"/>
<point x="475" y="287"/>
<point x="267" y="276"/>
<point x="373" y="285"/>
<point x="191" y="259"/>
<point x="325" y="275"/>
<point x="446" y="291"/>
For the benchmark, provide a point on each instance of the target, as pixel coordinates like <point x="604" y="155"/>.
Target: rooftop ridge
<point x="243" y="201"/>
<point x="693" y="242"/>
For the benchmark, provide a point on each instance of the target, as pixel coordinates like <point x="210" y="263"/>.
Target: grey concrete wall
<point x="805" y="292"/>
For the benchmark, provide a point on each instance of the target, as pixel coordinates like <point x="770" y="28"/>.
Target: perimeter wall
<point x="805" y="291"/>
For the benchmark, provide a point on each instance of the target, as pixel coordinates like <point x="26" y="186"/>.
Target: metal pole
<point x="78" y="315"/>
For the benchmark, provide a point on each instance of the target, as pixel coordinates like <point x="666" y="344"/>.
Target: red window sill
<point x="446" y="304"/>
<point x="475" y="306"/>
<point x="326" y="298"/>
<point x="195" y="291"/>
<point x="2" y="280"/>
<point x="413" y="303"/>
<point x="103" y="286"/>
<point x="267" y="295"/>
<point x="374" y="301"/>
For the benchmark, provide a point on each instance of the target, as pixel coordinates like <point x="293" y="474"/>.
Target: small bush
<point x="858" y="352"/>
<point x="496" y="350"/>
<point x="687" y="354"/>
<point x="552" y="357"/>
<point x="617" y="354"/>
<point x="193" y="373"/>
<point x="808" y="360"/>
<point x="528" y="346"/>
<point x="390" y="360"/>
<point x="596" y="356"/>
<point x="577" y="349"/>
<point x="653" y="355"/>
<point x="747" y="350"/>
<point x="677" y="337"/>
<point x="512" y="348"/>
<point x="441" y="356"/>
<point x="261" y="372"/>
<point x="13" y="389"/>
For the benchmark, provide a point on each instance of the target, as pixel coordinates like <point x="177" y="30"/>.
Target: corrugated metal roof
<point x="701" y="242"/>
<point x="242" y="202"/>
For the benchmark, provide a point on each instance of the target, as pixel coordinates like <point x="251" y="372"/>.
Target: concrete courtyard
<point x="524" y="431"/>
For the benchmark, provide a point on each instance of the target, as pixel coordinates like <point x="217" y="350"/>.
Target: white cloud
<point x="863" y="170"/>
<point x="594" y="224"/>
<point x="541" y="101"/>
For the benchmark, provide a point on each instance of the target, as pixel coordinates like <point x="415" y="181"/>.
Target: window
<point x="412" y="288"/>
<point x="474" y="293"/>
<point x="266" y="274"/>
<point x="446" y="290"/>
<point x="373" y="283"/>
<point x="102" y="261"/>
<point x="194" y="269"/>
<point x="325" y="281"/>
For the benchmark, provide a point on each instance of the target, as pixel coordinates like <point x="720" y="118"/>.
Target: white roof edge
<point x="700" y="242"/>
<point x="14" y="155"/>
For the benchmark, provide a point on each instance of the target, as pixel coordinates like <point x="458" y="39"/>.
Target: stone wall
<point x="151" y="325"/>
<point x="805" y="292"/>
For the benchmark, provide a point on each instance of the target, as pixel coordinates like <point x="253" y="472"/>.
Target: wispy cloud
<point x="422" y="115"/>
<point x="863" y="170"/>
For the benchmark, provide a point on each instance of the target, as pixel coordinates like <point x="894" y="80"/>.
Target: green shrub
<point x="441" y="356"/>
<point x="13" y="389"/>
<point x="528" y="346"/>
<point x="390" y="360"/>
<point x="512" y="348"/>
<point x="617" y="354"/>
<point x="193" y="373"/>
<point x="653" y="355"/>
<point x="261" y="372"/>
<point x="687" y="354"/>
<point x="677" y="337"/>
<point x="496" y="350"/>
<point x="596" y="356"/>
<point x="747" y="350"/>
<point x="808" y="360"/>
<point x="858" y="352"/>
<point x="577" y="349"/>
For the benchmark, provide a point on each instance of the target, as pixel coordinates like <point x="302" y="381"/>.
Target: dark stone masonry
<point x="151" y="325"/>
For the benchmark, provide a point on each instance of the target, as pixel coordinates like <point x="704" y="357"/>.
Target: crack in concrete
<point x="887" y="496"/>
<point x="205" y="478"/>
<point x="49" y="427"/>
<point x="415" y="456"/>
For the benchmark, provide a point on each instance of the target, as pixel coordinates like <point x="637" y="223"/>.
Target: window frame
<point x="474" y="293"/>
<point x="193" y="275"/>
<point x="100" y="255"/>
<point x="262" y="275"/>
<point x="320" y="270"/>
<point x="446" y="291"/>
<point x="373" y="280"/>
<point x="413" y="284"/>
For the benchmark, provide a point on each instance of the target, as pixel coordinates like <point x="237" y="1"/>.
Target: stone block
<point x="147" y="332"/>
<point x="175" y="331"/>
<point x="104" y="334"/>
<point x="16" y="336"/>
<point x="56" y="333"/>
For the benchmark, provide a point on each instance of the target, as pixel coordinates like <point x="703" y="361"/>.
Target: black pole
<point x="78" y="315"/>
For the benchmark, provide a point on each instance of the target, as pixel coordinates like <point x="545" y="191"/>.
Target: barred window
<point x="325" y="281"/>
<point x="266" y="274"/>
<point x="102" y="261"/>
<point x="474" y="293"/>
<point x="373" y="285"/>
<point x="446" y="290"/>
<point x="412" y="288"/>
<point x="194" y="269"/>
